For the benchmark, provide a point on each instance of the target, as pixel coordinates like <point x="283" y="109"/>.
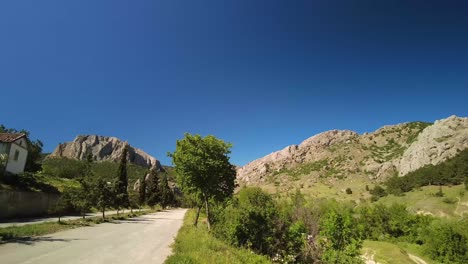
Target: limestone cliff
<point x="103" y="149"/>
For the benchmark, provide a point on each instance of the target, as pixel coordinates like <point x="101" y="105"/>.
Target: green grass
<point x="36" y="182"/>
<point x="385" y="252"/>
<point x="303" y="169"/>
<point x="59" y="183"/>
<point x="196" y="245"/>
<point x="415" y="250"/>
<point x="28" y="231"/>
<point x="424" y="200"/>
<point x="415" y="128"/>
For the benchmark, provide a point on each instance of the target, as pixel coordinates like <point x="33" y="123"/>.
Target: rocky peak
<point x="103" y="148"/>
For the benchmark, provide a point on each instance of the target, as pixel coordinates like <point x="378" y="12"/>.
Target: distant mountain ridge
<point x="103" y="149"/>
<point x="390" y="150"/>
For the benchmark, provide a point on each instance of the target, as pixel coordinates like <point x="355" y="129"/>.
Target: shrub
<point x="447" y="242"/>
<point x="249" y="221"/>
<point x="377" y="192"/>
<point x="349" y="191"/>
<point x="339" y="240"/>
<point x="64" y="168"/>
<point x="449" y="200"/>
<point x="380" y="222"/>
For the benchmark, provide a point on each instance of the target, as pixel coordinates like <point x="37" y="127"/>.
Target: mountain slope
<point x="342" y="154"/>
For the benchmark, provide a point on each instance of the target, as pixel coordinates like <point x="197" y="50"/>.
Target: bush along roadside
<point x="198" y="245"/>
<point x="294" y="229"/>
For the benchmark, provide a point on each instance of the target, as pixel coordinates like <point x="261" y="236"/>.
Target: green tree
<point x="64" y="203"/>
<point x="340" y="242"/>
<point x="122" y="200"/>
<point x="104" y="195"/>
<point x="153" y="193"/>
<point x="203" y="169"/>
<point x="134" y="198"/>
<point x="447" y="242"/>
<point x="84" y="198"/>
<point x="142" y="192"/>
<point x="167" y="197"/>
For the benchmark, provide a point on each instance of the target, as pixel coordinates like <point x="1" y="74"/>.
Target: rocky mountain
<point x="103" y="149"/>
<point x="339" y="154"/>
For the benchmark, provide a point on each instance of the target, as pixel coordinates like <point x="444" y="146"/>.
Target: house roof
<point x="10" y="137"/>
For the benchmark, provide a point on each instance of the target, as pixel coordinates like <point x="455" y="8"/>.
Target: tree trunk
<point x="59" y="219"/>
<point x="196" y="217"/>
<point x="103" y="215"/>
<point x="207" y="213"/>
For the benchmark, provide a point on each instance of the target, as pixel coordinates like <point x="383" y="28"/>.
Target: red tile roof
<point x="9" y="137"/>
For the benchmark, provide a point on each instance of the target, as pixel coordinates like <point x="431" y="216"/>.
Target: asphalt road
<point x="144" y="239"/>
<point x="29" y="221"/>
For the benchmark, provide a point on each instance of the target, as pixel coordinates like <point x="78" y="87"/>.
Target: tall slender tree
<point x="153" y="194"/>
<point x="167" y="197"/>
<point x="122" y="200"/>
<point x="142" y="191"/>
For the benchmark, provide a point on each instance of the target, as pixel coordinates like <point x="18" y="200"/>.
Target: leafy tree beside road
<point x="203" y="169"/>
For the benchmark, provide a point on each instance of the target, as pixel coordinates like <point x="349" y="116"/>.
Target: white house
<point x="13" y="152"/>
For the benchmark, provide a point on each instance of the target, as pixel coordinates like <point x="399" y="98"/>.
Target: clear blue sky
<point x="260" y="74"/>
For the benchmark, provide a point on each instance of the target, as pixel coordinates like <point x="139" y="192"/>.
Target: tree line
<point x="453" y="171"/>
<point x="114" y="192"/>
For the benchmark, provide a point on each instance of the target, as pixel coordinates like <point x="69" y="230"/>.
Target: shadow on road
<point x="32" y="240"/>
<point x="131" y="221"/>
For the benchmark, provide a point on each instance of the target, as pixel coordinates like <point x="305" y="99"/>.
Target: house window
<point x="15" y="158"/>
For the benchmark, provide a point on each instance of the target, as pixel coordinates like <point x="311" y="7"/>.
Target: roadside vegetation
<point x="27" y="232"/>
<point x="198" y="245"/>
<point x="294" y="228"/>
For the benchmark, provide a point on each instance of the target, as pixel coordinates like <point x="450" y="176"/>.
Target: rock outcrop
<point x="436" y="144"/>
<point x="103" y="149"/>
<point x="342" y="153"/>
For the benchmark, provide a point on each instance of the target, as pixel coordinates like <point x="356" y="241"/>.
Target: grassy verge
<point x="197" y="245"/>
<point x="384" y="252"/>
<point x="454" y="202"/>
<point x="415" y="250"/>
<point x="28" y="231"/>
